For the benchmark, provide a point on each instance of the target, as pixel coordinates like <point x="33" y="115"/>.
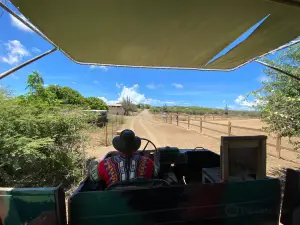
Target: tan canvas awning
<point x="162" y="33"/>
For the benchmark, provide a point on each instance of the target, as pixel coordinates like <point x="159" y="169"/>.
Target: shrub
<point x="196" y="110"/>
<point x="40" y="144"/>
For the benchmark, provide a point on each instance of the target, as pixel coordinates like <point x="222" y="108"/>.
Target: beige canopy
<point x="163" y="33"/>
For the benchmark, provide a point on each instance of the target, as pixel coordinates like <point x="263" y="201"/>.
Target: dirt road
<point x="164" y="134"/>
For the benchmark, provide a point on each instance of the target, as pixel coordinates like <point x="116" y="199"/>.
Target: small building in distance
<point x="115" y="109"/>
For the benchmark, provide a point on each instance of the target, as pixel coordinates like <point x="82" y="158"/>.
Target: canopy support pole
<point x="279" y="70"/>
<point x="30" y="26"/>
<point x="26" y="63"/>
<point x="26" y="23"/>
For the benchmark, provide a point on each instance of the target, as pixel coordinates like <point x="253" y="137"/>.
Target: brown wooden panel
<point x="243" y="156"/>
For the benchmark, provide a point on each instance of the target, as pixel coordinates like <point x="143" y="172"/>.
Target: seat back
<point x="240" y="203"/>
<point x="19" y="206"/>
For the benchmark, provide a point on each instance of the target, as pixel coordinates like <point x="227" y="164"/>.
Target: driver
<point x="125" y="166"/>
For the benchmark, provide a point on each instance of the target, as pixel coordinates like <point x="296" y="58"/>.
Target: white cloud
<point x="224" y="101"/>
<point x="119" y="85"/>
<point x="154" y="86"/>
<point x="235" y="107"/>
<point x="103" y="68"/>
<point x="14" y="76"/>
<point x="136" y="97"/>
<point x="263" y="78"/>
<point x="18" y="24"/>
<point x="15" y="52"/>
<point x="35" y="50"/>
<point x="151" y="86"/>
<point x="169" y="102"/>
<point x="243" y="102"/>
<point x="73" y="82"/>
<point x="177" y="85"/>
<point x="108" y="101"/>
<point x="133" y="94"/>
<point x="103" y="98"/>
<point x="46" y="85"/>
<point x="190" y="93"/>
<point x="96" y="82"/>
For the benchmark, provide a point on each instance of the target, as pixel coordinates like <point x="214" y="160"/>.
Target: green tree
<point x="279" y="98"/>
<point x="67" y="95"/>
<point x="226" y="110"/>
<point x="164" y="108"/>
<point x="140" y="106"/>
<point x="35" y="83"/>
<point x="128" y="105"/>
<point x="96" y="103"/>
<point x="148" y="106"/>
<point x="37" y="91"/>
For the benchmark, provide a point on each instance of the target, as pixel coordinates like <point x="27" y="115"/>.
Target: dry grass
<point x="210" y="139"/>
<point x="289" y="154"/>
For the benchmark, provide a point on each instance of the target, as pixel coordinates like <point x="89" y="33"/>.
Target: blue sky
<point x="154" y="86"/>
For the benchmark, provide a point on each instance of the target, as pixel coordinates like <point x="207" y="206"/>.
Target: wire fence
<point x="210" y="126"/>
<point x="109" y="129"/>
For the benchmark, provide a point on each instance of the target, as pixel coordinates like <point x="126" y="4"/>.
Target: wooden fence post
<point x="171" y="118"/>
<point x="229" y="128"/>
<point x="278" y="145"/>
<point x="106" y="134"/>
<point x="200" y="125"/>
<point x="112" y="129"/>
<point x="188" y="122"/>
<point x="177" y="119"/>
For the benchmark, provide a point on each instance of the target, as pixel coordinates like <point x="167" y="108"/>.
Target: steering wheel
<point x="136" y="183"/>
<point x="148" y="141"/>
<point x="198" y="148"/>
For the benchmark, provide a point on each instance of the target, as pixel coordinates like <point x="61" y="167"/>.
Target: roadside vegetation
<point x="42" y="135"/>
<point x="280" y="95"/>
<point x="130" y="108"/>
<point x="195" y="110"/>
